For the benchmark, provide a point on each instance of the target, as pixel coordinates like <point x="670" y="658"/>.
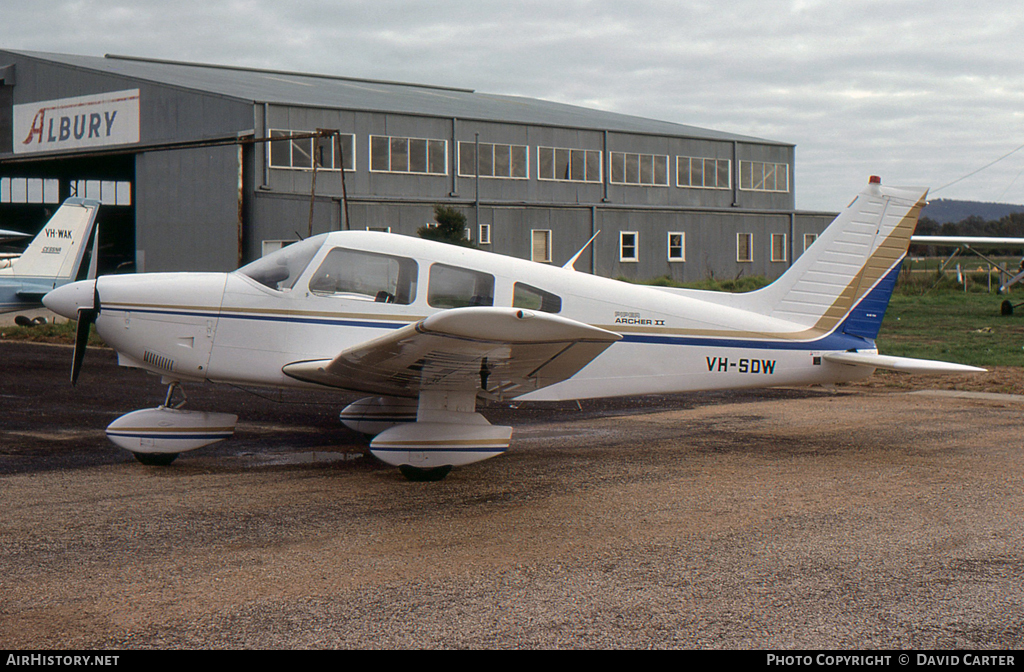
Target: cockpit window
<point x="365" y="276"/>
<point x="452" y="287"/>
<point x="280" y="269"/>
<point x="532" y="298"/>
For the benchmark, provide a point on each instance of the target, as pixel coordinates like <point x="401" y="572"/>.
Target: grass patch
<point x="63" y="333"/>
<point x="953" y="326"/>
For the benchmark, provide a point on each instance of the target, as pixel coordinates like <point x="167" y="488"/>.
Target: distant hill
<point x="947" y="210"/>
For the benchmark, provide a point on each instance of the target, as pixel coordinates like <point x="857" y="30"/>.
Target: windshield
<point x="280" y="269"/>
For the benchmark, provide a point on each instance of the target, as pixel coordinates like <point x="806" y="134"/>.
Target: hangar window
<point x="778" y="247"/>
<point x="692" y="171"/>
<point x="532" y="298"/>
<point x="760" y="176"/>
<point x="365" y="276"/>
<point x="29" y="190"/>
<point x="540" y="245"/>
<point x="676" y="246"/>
<point x="508" y="161"/>
<point x="744" y="247"/>
<point x="641" y="169"/>
<point x="390" y="154"/>
<point x="628" y="241"/>
<point x="809" y="239"/>
<point x="298" y="154"/>
<point x="452" y="287"/>
<point x="570" y="165"/>
<point x="104" y="191"/>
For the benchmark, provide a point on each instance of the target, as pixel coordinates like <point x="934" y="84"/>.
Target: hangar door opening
<point x="30" y="192"/>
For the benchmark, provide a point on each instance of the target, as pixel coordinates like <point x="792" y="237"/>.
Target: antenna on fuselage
<point x="569" y="264"/>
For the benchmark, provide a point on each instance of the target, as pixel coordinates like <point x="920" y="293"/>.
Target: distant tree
<point x="451" y="227"/>
<point x="926" y="227"/>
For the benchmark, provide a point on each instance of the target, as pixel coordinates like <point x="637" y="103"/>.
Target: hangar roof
<point x="328" y="91"/>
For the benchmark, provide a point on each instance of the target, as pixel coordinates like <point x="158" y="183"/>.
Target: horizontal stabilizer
<point x="32" y="295"/>
<point x="905" y="364"/>
<point x="12" y="235"/>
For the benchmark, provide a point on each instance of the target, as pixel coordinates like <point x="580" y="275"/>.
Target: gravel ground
<point x="874" y="516"/>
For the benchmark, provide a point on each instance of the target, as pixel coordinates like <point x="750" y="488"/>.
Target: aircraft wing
<point x="977" y="241"/>
<point x="905" y="364"/>
<point x="33" y="294"/>
<point x="13" y="235"/>
<point x="502" y="352"/>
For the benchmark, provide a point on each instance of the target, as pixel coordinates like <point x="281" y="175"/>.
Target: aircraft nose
<point x="67" y="299"/>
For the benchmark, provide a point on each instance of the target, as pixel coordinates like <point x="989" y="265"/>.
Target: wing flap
<point x="905" y="364"/>
<point x="504" y="352"/>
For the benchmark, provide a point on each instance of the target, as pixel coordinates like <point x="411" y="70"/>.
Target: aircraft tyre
<point x="155" y="459"/>
<point x="419" y="475"/>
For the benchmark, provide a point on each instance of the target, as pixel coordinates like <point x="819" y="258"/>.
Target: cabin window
<point x="628" y="246"/>
<point x="676" y="246"/>
<point x="365" y="276"/>
<point x="744" y="247"/>
<point x="540" y="245"/>
<point x="280" y="269"/>
<point x="692" y="171"/>
<point x="639" y="169"/>
<point x="532" y="298"/>
<point x="452" y="287"/>
<point x="778" y="247"/>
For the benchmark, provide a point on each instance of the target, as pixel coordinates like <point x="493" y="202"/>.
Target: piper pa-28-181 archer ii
<point x="52" y="259"/>
<point x="429" y="328"/>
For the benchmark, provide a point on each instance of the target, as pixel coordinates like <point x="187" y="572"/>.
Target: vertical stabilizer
<point x="847" y="275"/>
<point x="58" y="250"/>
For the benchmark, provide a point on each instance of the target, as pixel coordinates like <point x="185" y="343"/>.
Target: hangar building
<point x="183" y="156"/>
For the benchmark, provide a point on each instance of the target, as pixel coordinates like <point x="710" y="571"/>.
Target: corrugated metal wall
<point x="191" y="215"/>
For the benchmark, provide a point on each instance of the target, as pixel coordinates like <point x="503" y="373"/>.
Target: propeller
<point x="86" y="318"/>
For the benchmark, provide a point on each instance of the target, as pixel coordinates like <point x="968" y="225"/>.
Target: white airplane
<point x="427" y="329"/>
<point x="973" y="244"/>
<point x="53" y="258"/>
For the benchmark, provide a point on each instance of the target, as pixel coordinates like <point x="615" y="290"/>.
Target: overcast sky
<point x="921" y="92"/>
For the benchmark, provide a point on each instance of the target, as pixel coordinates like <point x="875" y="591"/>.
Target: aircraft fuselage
<point x="229" y="327"/>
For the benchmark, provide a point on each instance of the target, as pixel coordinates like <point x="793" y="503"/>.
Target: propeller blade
<point x="86" y="318"/>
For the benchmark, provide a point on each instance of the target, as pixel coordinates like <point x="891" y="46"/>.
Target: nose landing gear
<point x="156" y="436"/>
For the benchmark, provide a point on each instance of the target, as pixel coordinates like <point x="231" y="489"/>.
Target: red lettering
<point x="37" y="127"/>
